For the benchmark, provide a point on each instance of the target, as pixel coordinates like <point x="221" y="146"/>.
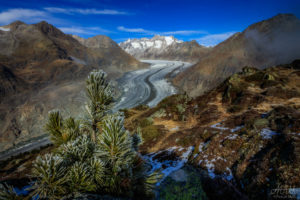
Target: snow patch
<point x="267" y="133"/>
<point x="169" y="40"/>
<point x="201" y="146"/>
<point x="231" y="137"/>
<point x="168" y="166"/>
<point x="149" y="44"/>
<point x="217" y="126"/>
<point x="175" y="128"/>
<point x="210" y="168"/>
<point x="236" y="129"/>
<point x="228" y="176"/>
<point x="136" y="45"/>
<point x="4" y="29"/>
<point x="158" y="44"/>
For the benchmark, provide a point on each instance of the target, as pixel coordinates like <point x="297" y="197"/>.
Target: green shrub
<point x="150" y="133"/>
<point x="95" y="154"/>
<point x="260" y="123"/>
<point x="160" y="113"/>
<point x="146" y="122"/>
<point x="8" y="193"/>
<point x="183" y="190"/>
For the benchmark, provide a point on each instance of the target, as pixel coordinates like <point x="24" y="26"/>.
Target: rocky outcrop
<point x="244" y="133"/>
<point x="110" y="49"/>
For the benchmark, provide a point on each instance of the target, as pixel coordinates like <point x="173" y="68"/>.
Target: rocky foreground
<point x="244" y="134"/>
<point x="240" y="140"/>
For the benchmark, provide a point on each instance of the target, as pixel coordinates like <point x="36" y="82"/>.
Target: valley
<point x="146" y="87"/>
<point x="86" y="113"/>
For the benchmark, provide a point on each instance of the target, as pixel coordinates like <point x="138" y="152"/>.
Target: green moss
<point x="260" y="123"/>
<point x="185" y="190"/>
<point x="234" y="79"/>
<point x="234" y="90"/>
<point x="185" y="141"/>
<point x="269" y="77"/>
<point x="160" y="113"/>
<point x="146" y="122"/>
<point x="248" y="71"/>
<point x="150" y="133"/>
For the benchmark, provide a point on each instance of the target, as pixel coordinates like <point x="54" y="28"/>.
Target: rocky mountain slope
<point x="244" y="135"/>
<point x="164" y="48"/>
<point x="41" y="67"/>
<point x="110" y="49"/>
<point x="267" y="43"/>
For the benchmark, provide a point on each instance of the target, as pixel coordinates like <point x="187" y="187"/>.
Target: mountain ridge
<point x="164" y="47"/>
<point x="42" y="68"/>
<point x="264" y="44"/>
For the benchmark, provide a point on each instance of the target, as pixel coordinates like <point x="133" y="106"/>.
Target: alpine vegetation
<point x="8" y="193"/>
<point x="94" y="155"/>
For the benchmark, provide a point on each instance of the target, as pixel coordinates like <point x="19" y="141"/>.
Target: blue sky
<point x="207" y="21"/>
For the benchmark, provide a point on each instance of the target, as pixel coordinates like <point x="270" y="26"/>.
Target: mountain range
<point x="164" y="48"/>
<point x="41" y="67"/>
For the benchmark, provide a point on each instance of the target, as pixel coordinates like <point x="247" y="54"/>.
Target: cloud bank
<point x="214" y="39"/>
<point x="29" y="15"/>
<point x="71" y="11"/>
<point x="150" y="32"/>
<point x="84" y="30"/>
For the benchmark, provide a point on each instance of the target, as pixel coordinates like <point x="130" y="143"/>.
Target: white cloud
<point x="84" y="30"/>
<point x="135" y="30"/>
<point x="184" y="32"/>
<point x="214" y="39"/>
<point x="28" y="15"/>
<point x="149" y="32"/>
<point x="84" y="11"/>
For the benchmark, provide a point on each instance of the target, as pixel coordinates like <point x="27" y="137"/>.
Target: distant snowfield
<point x="157" y="43"/>
<point x="148" y="86"/>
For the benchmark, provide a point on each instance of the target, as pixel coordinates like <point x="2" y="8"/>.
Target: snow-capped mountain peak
<point x="164" y="48"/>
<point x="148" y="44"/>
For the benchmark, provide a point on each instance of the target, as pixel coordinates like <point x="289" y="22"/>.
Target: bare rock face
<point x="111" y="49"/>
<point x="264" y="44"/>
<point x="41" y="69"/>
<point x="164" y="48"/>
